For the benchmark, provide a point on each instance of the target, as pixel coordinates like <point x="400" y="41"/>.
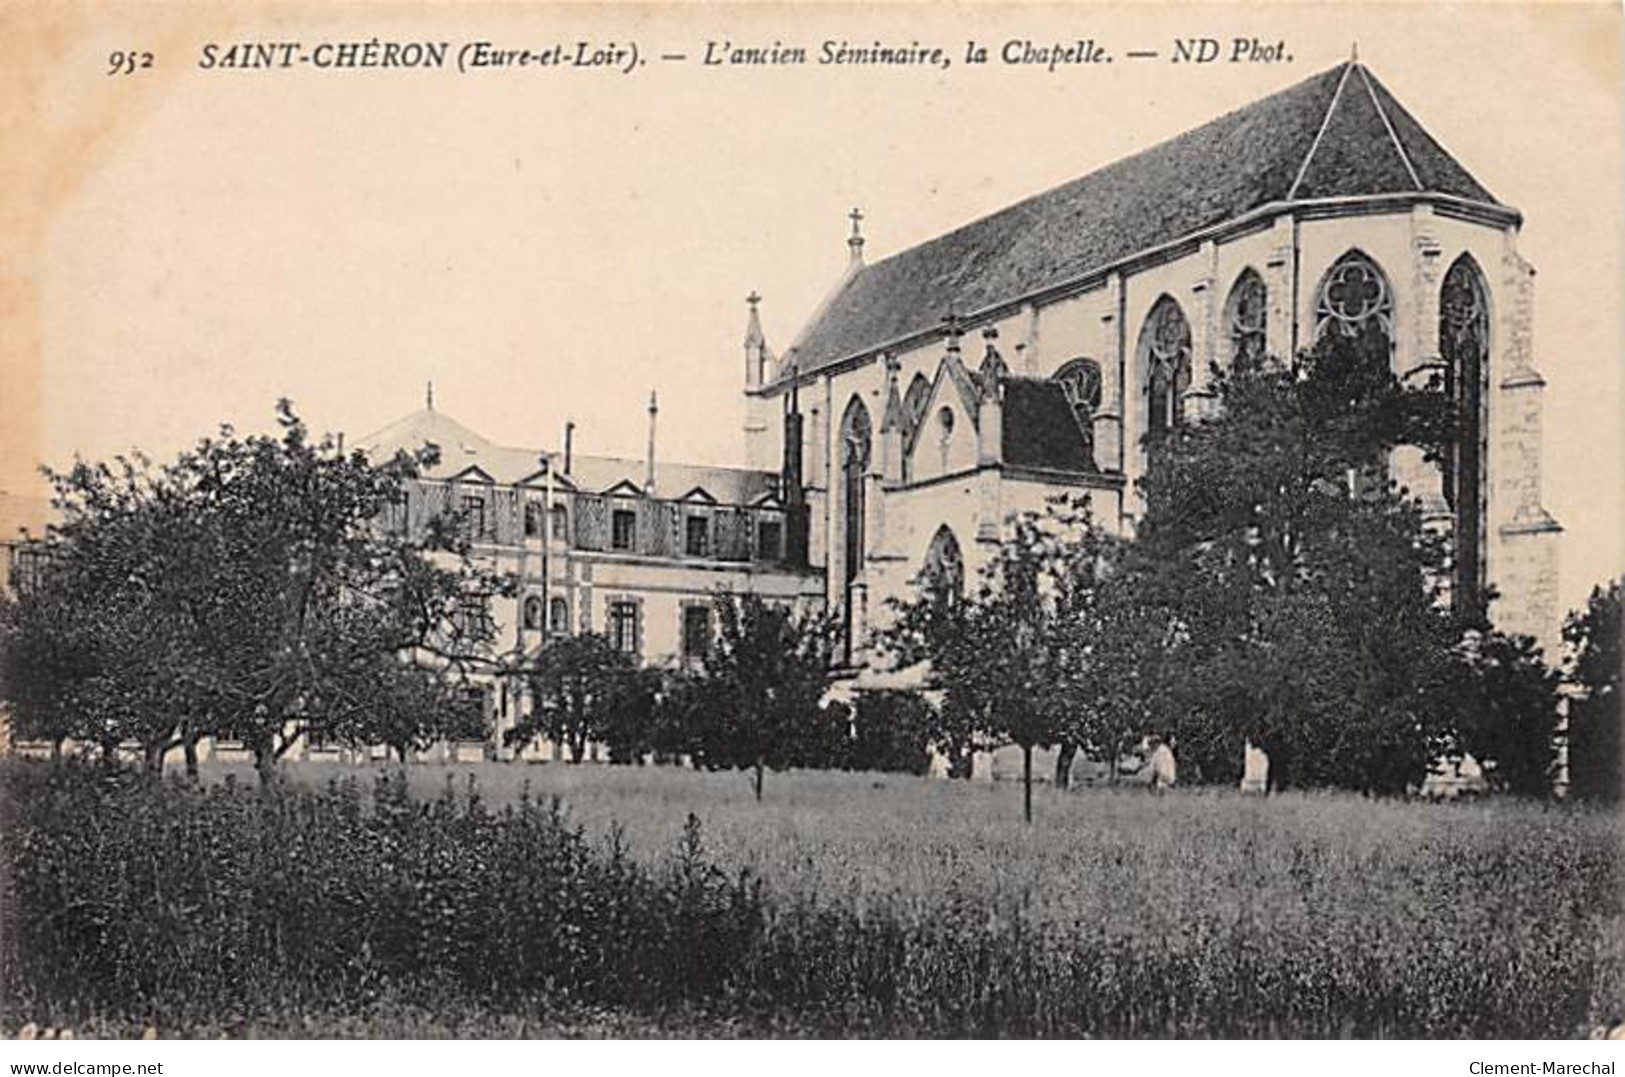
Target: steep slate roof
<point x="1040" y="429"/>
<point x="1337" y="134"/>
<point x="462" y="448"/>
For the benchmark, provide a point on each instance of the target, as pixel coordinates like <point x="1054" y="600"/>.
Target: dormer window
<point x="475" y="525"/>
<point x="697" y="536"/>
<point x="623" y="529"/>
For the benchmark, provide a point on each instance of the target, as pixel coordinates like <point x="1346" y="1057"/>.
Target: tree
<point x="759" y="688"/>
<point x="409" y="708"/>
<point x="246" y="589"/>
<point x="96" y="647"/>
<point x="891" y="731"/>
<point x="304" y="590"/>
<point x="1305" y="586"/>
<point x="1595" y="714"/>
<point x="630" y="731"/>
<point x="1506" y="711"/>
<point x="579" y="684"/>
<point x="1014" y="661"/>
<point x="938" y="626"/>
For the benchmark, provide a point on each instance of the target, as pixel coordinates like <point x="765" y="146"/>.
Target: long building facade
<point x="940" y="390"/>
<point x="634" y="550"/>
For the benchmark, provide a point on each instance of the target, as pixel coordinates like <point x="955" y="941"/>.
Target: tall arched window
<point x="1081" y="383"/>
<point x="558" y="616"/>
<point x="855" y="452"/>
<point x="944" y="569"/>
<point x="914" y="399"/>
<point x="1354" y="300"/>
<point x="1246" y="314"/>
<point x="1165" y="357"/>
<point x="1464" y="345"/>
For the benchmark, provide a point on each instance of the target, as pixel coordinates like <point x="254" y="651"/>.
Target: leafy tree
<point x="1014" y="660"/>
<point x="939" y="626"/>
<point x="579" y="685"/>
<point x="408" y="708"/>
<point x="1304" y="584"/>
<point x="96" y="648"/>
<point x="891" y="732"/>
<point x="631" y="732"/>
<point x="758" y="691"/>
<point x="304" y="591"/>
<point x="1506" y="706"/>
<point x="1595" y="713"/>
<point x="246" y="589"/>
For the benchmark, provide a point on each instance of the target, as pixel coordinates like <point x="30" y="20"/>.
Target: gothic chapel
<point x="938" y="391"/>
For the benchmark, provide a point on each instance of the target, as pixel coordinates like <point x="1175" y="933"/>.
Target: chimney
<point x="649" y="460"/>
<point x="569" y="441"/>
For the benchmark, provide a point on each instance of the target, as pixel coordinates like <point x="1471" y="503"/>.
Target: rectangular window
<point x="533" y="520"/>
<point x="623" y="627"/>
<point x="769" y="540"/>
<point x="696" y="631"/>
<point x="699" y="536"/>
<point x="473" y="613"/>
<point x="623" y="529"/>
<point x="561" y="522"/>
<point x="474" y="525"/>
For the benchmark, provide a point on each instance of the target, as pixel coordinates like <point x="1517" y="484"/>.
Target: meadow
<point x="553" y="899"/>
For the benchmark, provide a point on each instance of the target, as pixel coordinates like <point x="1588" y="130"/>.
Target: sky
<point x="183" y="247"/>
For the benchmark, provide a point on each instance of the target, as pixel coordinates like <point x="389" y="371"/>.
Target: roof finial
<point x="1354" y="52"/>
<point x="955" y="326"/>
<point x="428" y="396"/>
<point x="855" y="242"/>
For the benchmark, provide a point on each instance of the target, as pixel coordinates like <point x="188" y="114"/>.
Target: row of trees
<point x="243" y="591"/>
<point x="1280" y="591"/>
<point x="756" y="702"/>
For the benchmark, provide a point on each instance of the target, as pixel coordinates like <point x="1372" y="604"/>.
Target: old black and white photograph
<point x="806" y="521"/>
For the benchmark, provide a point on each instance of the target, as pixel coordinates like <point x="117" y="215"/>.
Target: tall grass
<point x="843" y="904"/>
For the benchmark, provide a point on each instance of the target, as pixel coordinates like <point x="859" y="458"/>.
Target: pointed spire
<point x="753" y="323"/>
<point x="428" y="396"/>
<point x="855" y="242"/>
<point x="758" y="357"/>
<point x="895" y="416"/>
<point x="993" y="369"/>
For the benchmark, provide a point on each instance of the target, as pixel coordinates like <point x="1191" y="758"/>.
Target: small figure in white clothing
<point x="1164" y="769"/>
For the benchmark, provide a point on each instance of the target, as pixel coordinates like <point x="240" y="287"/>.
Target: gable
<point x="624" y="488"/>
<point x="950" y="387"/>
<point x="473" y="473"/>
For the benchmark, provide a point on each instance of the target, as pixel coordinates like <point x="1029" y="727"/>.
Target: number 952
<point x="128" y="63"/>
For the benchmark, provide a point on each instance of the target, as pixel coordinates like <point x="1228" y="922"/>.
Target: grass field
<point x="897" y="905"/>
